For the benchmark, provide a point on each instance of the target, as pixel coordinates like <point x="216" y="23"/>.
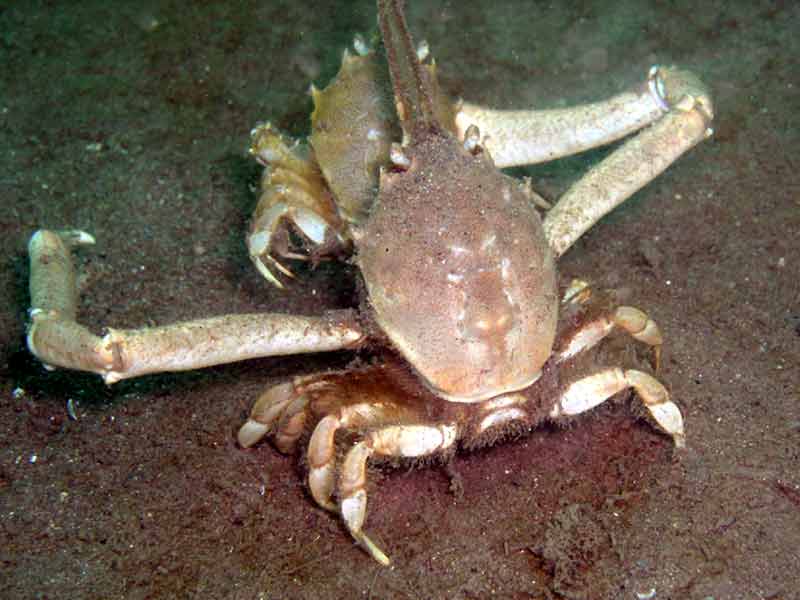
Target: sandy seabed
<point x="132" y="123"/>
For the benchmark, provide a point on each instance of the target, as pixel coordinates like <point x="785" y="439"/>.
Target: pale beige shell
<point x="459" y="273"/>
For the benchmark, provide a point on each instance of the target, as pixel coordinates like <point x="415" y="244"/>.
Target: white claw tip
<point x="112" y="377"/>
<point x="76" y="236"/>
<point x="258" y="243"/>
<point x="655" y="86"/>
<point x="85" y="238"/>
<point x="73" y="415"/>
<point x="373" y="550"/>
<point x="251" y="432"/>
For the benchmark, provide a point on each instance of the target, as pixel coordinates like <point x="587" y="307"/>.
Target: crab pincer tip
<point x="373" y="550"/>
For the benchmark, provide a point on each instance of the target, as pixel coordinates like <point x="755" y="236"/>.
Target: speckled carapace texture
<point x="132" y="122"/>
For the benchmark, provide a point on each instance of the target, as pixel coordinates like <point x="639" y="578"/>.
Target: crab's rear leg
<point x="599" y="317"/>
<point x="294" y="194"/>
<point x="58" y="340"/>
<point x="672" y="109"/>
<point x="592" y="390"/>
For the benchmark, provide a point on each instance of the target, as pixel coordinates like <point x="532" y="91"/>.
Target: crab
<point x="463" y="333"/>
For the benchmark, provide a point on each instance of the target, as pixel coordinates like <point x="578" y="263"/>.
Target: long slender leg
<point x="674" y="102"/>
<point x="634" y="164"/>
<point x="526" y="137"/>
<point x="58" y="340"/>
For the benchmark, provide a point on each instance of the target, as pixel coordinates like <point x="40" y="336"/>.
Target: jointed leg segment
<point x="527" y="137"/>
<point x="673" y="102"/>
<point x="365" y="403"/>
<point x="630" y="319"/>
<point x="588" y="392"/>
<point x="637" y="162"/>
<point x="58" y="340"/>
<point x="591" y="391"/>
<point x="54" y="335"/>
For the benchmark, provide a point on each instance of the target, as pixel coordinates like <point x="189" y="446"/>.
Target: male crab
<point x="460" y="301"/>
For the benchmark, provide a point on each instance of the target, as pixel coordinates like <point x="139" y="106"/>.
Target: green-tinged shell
<point x="353" y="126"/>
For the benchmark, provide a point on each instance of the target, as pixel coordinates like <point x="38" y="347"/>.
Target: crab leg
<point x="54" y="304"/>
<point x="58" y="340"/>
<point x="630" y="319"/>
<point x="396" y="440"/>
<point x="591" y="391"/>
<point x="366" y="401"/>
<point x="631" y="166"/>
<point x="526" y="137"/>
<point x="674" y="101"/>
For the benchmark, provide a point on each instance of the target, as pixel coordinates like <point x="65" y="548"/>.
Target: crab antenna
<point x="412" y="90"/>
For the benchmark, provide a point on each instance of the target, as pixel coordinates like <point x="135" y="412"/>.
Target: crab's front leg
<point x="294" y="194"/>
<point x="674" y="104"/>
<point x="58" y="340"/>
<point x="404" y="440"/>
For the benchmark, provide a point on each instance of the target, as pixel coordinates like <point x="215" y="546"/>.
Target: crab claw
<point x="294" y="197"/>
<point x="260" y="246"/>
